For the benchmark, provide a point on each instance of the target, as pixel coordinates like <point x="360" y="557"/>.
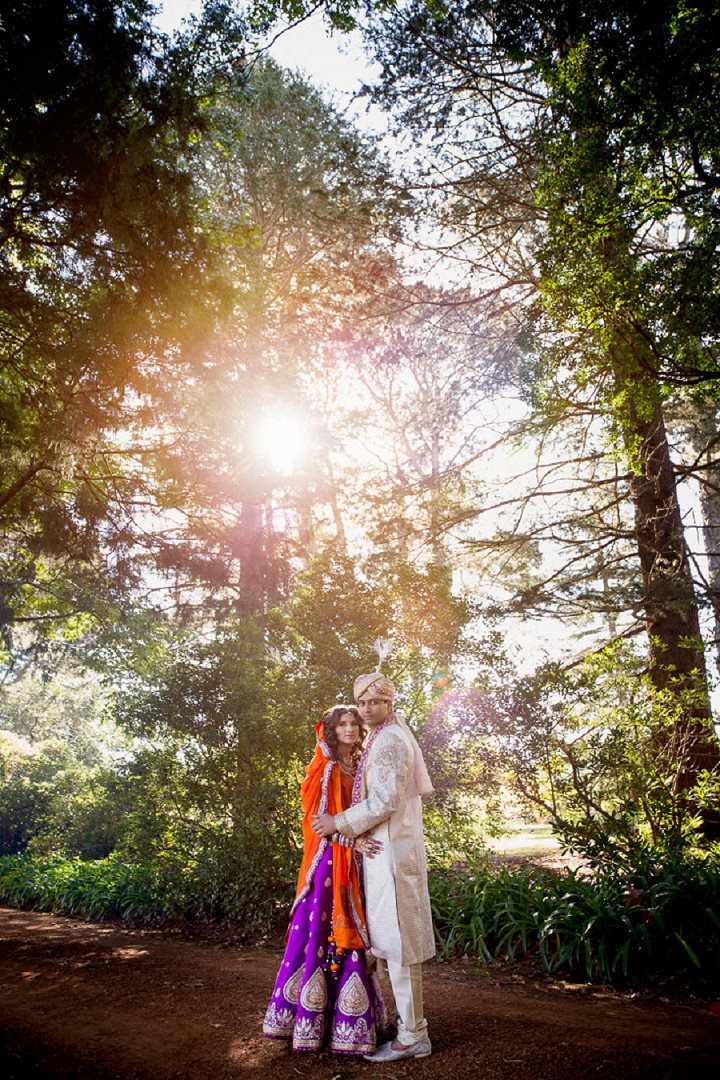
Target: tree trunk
<point x="340" y="534"/>
<point x="439" y="551"/>
<point x="677" y="659"/>
<point x="704" y="440"/>
<point x="307" y="534"/>
<point x="252" y="548"/>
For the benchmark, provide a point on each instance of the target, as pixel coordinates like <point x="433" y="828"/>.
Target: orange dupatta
<point x="321" y="793"/>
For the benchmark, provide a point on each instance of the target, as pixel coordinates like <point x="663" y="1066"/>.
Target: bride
<point x="324" y="995"/>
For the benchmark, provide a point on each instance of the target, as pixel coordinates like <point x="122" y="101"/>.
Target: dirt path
<point x="95" y="1002"/>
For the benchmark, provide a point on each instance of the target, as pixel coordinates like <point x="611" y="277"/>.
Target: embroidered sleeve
<point x="387" y="782"/>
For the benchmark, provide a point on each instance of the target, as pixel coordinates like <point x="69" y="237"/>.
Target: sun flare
<point x="280" y="439"/>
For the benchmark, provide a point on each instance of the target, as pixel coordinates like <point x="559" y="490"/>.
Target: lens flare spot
<point x="280" y="439"/>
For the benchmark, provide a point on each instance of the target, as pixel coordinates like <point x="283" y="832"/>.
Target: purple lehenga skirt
<point x="314" y="1007"/>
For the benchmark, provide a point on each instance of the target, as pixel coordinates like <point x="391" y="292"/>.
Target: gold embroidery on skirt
<point x="314" y="992"/>
<point x="356" y="1037"/>
<point x="308" y="1034"/>
<point x="353" y="1000"/>
<point x="278" y="1022"/>
<point x="291" y="989"/>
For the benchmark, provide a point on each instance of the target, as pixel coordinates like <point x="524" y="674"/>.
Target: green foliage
<point x="106" y="283"/>
<point x="453" y="830"/>
<point x="91" y="889"/>
<point x="67" y="704"/>
<point x="655" y="913"/>
<point x="653" y="916"/>
<point x="601" y="751"/>
<point x="209" y="690"/>
<point x="338" y="609"/>
<point x="145" y="892"/>
<point x="53" y="800"/>
<point x="483" y="912"/>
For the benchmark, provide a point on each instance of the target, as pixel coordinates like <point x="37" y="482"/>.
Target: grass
<point x="526" y="841"/>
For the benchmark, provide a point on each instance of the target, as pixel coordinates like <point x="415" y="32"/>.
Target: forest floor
<point x="96" y="1001"/>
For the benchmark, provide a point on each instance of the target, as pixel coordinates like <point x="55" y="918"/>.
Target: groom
<point x="390" y="781"/>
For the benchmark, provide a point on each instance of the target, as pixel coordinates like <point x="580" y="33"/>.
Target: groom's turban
<point x="377" y="683"/>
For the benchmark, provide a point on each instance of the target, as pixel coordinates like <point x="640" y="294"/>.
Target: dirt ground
<point x="94" y="1001"/>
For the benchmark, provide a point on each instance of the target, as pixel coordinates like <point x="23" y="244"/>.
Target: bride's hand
<point x="368" y="846"/>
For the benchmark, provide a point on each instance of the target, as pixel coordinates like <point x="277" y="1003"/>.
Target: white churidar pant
<point x="406" y="981"/>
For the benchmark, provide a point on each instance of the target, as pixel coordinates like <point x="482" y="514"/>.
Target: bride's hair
<point x="331" y="719"/>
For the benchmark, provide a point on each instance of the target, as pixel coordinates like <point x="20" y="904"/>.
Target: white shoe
<point x="386" y="1053"/>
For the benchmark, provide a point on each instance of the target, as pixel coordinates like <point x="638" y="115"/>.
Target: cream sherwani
<point x="396" y="893"/>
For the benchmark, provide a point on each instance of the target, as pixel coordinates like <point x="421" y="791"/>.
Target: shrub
<point x="114" y="887"/>
<point x="657" y="917"/>
<point x="91" y="889"/>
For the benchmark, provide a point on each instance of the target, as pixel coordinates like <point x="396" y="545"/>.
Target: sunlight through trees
<point x="273" y="387"/>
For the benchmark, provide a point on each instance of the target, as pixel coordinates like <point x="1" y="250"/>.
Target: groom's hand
<point x="324" y="824"/>
<point x="368" y="846"/>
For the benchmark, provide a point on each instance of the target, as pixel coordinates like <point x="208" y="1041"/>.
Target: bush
<point x="91" y="889"/>
<point x="114" y="887"/>
<point x="657" y="918"/>
<point x="50" y="800"/>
